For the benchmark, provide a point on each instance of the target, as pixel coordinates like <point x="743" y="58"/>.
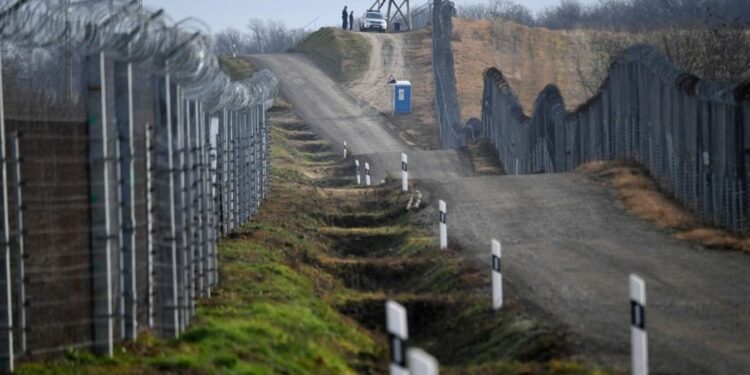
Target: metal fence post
<point x="237" y="151"/>
<point x="212" y="153"/>
<point x="182" y="245"/>
<point x="149" y="228"/>
<point x="204" y="223"/>
<point x="21" y="274"/>
<point x="232" y="139"/>
<point x="6" y="314"/>
<point x="227" y="173"/>
<point x="125" y="126"/>
<point x="209" y="170"/>
<point x="242" y="204"/>
<point x="190" y="264"/>
<point x="220" y="179"/>
<point x="165" y="199"/>
<point x="101" y="236"/>
<point x="259" y="144"/>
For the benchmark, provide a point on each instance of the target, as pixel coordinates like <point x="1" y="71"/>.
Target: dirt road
<point x="386" y="60"/>
<point x="388" y="56"/>
<point x="568" y="246"/>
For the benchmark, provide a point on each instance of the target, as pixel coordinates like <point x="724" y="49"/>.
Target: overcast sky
<point x="220" y="14"/>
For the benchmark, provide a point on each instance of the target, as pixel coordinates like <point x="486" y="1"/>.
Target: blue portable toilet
<point x="402" y="97"/>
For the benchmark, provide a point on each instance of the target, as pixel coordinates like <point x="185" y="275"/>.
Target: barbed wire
<point x="126" y="32"/>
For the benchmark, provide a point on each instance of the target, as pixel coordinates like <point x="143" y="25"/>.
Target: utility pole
<point x="395" y="8"/>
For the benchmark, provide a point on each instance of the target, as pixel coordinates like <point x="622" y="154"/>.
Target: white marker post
<point x="639" y="340"/>
<point x="346" y="150"/>
<point x="404" y="173"/>
<point x="497" y="276"/>
<point x="398" y="334"/>
<point x="367" y="174"/>
<point x="443" y="226"/>
<point x="421" y="363"/>
<point x="356" y="171"/>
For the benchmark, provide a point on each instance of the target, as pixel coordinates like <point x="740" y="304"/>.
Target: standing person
<point x="351" y="21"/>
<point x="344" y="18"/>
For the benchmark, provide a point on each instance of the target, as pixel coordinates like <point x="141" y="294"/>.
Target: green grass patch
<point x="343" y="55"/>
<point x="237" y="68"/>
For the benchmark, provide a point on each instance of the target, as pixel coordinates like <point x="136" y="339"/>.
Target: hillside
<point x="342" y="55"/>
<point x="364" y="75"/>
<point x="530" y="58"/>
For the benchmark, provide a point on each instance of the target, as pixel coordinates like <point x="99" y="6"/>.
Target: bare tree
<point x="567" y="15"/>
<point x="264" y="36"/>
<point x="720" y="53"/>
<point x="231" y="41"/>
<point x="503" y="9"/>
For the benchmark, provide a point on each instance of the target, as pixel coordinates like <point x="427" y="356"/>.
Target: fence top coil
<point x="125" y="31"/>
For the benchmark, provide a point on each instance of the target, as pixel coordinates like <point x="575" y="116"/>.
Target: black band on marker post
<point x="637" y="315"/>
<point x="443" y="217"/>
<point x="397" y="347"/>
<point x="403" y="166"/>
<point x="496" y="264"/>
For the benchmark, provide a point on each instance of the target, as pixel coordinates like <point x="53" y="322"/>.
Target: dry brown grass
<point x="530" y="59"/>
<point x="484" y="158"/>
<point x="642" y="197"/>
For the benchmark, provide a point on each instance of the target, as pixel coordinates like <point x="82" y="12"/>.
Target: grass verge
<point x="341" y="54"/>
<point x="237" y="68"/>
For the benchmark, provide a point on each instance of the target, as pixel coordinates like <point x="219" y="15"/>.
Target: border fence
<point x="421" y="16"/>
<point x="447" y="106"/>
<point x="113" y="206"/>
<point x="693" y="136"/>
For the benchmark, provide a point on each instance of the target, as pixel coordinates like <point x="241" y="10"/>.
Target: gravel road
<point x="568" y="245"/>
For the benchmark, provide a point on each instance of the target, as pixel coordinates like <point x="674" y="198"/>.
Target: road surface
<point x="568" y="246"/>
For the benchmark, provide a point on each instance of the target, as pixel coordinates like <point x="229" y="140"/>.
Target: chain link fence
<point x="447" y="106"/>
<point x="693" y="136"/>
<point x="119" y="173"/>
<point x="421" y="16"/>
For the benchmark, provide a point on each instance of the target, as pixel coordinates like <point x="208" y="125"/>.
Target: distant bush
<point x="263" y="36"/>
<point x="630" y="15"/>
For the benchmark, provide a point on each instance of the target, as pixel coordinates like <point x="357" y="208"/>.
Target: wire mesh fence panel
<point x="447" y="108"/>
<point x="117" y="185"/>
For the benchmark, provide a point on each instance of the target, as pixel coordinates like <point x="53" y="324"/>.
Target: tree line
<point x="630" y="15"/>
<point x="709" y="38"/>
<point x="262" y="36"/>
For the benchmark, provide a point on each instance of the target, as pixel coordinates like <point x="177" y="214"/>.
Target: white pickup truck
<point x="373" y="21"/>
